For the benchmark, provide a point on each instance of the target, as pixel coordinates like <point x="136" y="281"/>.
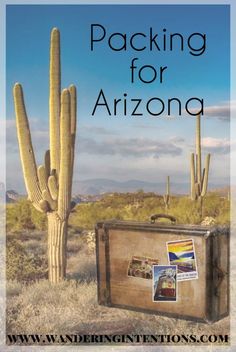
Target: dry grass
<point x="71" y="307"/>
<point x="14" y="288"/>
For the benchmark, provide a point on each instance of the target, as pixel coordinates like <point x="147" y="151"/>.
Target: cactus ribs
<point x="49" y="185"/>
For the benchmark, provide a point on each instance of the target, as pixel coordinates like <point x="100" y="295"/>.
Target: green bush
<point x="122" y="206"/>
<point x="140" y="206"/>
<point x="22" y="215"/>
<point x="21" y="265"/>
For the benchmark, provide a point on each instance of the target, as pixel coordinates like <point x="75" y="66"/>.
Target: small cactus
<point x="49" y="185"/>
<point x="166" y="196"/>
<point x="199" y="178"/>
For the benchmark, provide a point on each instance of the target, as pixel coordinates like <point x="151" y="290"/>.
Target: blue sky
<point x="123" y="148"/>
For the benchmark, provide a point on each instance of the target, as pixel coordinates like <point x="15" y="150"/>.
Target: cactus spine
<point x="199" y="178"/>
<point x="166" y="196"/>
<point x="49" y="185"/>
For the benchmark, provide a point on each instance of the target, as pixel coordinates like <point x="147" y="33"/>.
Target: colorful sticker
<point x="164" y="283"/>
<point x="182" y="254"/>
<point x="141" y="267"/>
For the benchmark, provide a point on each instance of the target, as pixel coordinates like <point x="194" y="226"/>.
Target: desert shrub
<point x="139" y="206"/>
<point x="184" y="210"/>
<point x="18" y="216"/>
<point x="38" y="219"/>
<point x="74" y="244"/>
<point x="22" y="215"/>
<point x="13" y="288"/>
<point x="217" y="207"/>
<point x="122" y="206"/>
<point x="21" y="265"/>
<point x="82" y="267"/>
<point x="36" y="245"/>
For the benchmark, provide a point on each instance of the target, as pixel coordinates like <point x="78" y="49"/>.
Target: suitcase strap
<point x="154" y="217"/>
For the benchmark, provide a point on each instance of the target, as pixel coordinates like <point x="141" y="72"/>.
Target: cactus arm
<point x="65" y="154"/>
<point x="196" y="167"/>
<point x="73" y="108"/>
<point x="54" y="99"/>
<point x="52" y="185"/>
<point x="198" y="148"/>
<point x="42" y="178"/>
<point x="44" y="187"/>
<point x="168" y="185"/>
<point x="43" y="206"/>
<point x="47" y="163"/>
<point x="192" y="168"/>
<point x="47" y="196"/>
<point x="26" y="148"/>
<point x="199" y="179"/>
<point x="197" y="190"/>
<point x="205" y="179"/>
<point x="166" y="199"/>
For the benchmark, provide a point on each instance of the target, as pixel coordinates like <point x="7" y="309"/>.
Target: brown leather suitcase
<point x="181" y="271"/>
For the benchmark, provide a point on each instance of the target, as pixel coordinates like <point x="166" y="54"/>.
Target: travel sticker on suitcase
<point x="164" y="283"/>
<point x="182" y="254"/>
<point x="141" y="267"/>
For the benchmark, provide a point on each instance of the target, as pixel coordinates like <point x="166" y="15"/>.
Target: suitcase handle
<point x="154" y="217"/>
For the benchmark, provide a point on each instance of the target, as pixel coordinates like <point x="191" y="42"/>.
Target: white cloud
<point x="110" y="156"/>
<point x="133" y="147"/>
<point x="216" y="145"/>
<point x="39" y="135"/>
<point x="98" y="130"/>
<point x="223" y="111"/>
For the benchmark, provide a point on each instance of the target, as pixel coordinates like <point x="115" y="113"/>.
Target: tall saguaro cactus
<point x="199" y="178"/>
<point x="166" y="196"/>
<point x="49" y="185"/>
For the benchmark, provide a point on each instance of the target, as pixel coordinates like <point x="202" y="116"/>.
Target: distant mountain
<point x="80" y="198"/>
<point x="77" y="199"/>
<point x="223" y="191"/>
<point x="98" y="187"/>
<point x="101" y="186"/>
<point x="173" y="256"/>
<point x="12" y="196"/>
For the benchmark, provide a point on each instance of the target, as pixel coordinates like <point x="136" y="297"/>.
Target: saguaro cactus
<point x="49" y="185"/>
<point x="199" y="178"/>
<point x="166" y="196"/>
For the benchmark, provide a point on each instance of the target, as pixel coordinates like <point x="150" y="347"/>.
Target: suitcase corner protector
<point x="209" y="233"/>
<point x="98" y="225"/>
<point x="209" y="320"/>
